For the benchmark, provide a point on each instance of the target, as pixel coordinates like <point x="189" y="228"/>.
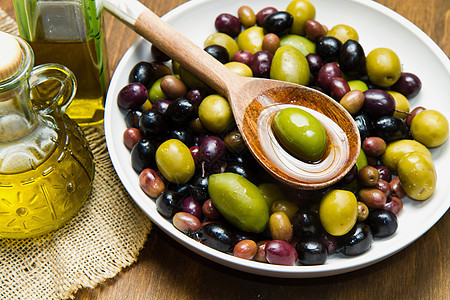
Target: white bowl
<point x="377" y="26"/>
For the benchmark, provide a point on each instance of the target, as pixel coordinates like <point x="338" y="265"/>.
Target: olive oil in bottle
<point x="69" y="32"/>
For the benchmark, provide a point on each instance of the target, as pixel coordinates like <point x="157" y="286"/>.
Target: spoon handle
<point x="172" y="43"/>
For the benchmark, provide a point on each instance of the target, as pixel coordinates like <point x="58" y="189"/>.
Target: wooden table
<point x="167" y="270"/>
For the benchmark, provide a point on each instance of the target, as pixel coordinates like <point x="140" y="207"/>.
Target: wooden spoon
<point x="254" y="101"/>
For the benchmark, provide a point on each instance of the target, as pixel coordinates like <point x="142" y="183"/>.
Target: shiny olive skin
<point x="240" y="168"/>
<point x="224" y="40"/>
<point x="261" y="63"/>
<point x="352" y="101"/>
<point x="368" y="176"/>
<point x="151" y="183"/>
<point x="174" y="161"/>
<point x="192" y="206"/>
<point x="132" y="118"/>
<point x="364" y="124"/>
<point x="417" y="175"/>
<point x="218" y="52"/>
<point x="144" y="73"/>
<point x="271" y="43"/>
<point x="215" y="113"/>
<point x="287" y="207"/>
<point x="396" y="150"/>
<point x="352" y="59"/>
<point x="228" y="24"/>
<point x="372" y="197"/>
<point x="281" y="253"/>
<point x="338" y="211"/>
<point x="383" y="67"/>
<point x="251" y="39"/>
<point x="326" y="73"/>
<point x="290" y="65"/>
<point x="240" y="69"/>
<point x="143" y="155"/>
<point x="378" y="103"/>
<point x="243" y="56"/>
<point x="314" y="30"/>
<point x="181" y="111"/>
<point x="182" y="134"/>
<point x="263" y="13"/>
<point x="306" y="223"/>
<point x="131" y="136"/>
<point x="173" y="87"/>
<point x="280" y="227"/>
<point x="300" y="133"/>
<point x="278" y="23"/>
<point x="357" y="241"/>
<point x="239" y="201"/>
<point x="301" y="10"/>
<point x="247" y="16"/>
<point x="383" y="223"/>
<point x="338" y="88"/>
<point x="168" y="203"/>
<point x="409" y="85"/>
<point x="374" y="146"/>
<point x="153" y="124"/>
<point x="245" y="249"/>
<point x="132" y="96"/>
<point x="186" y="222"/>
<point x="430" y="127"/>
<point x="216" y="236"/>
<point x="315" y="62"/>
<point x="328" y="48"/>
<point x="311" y="252"/>
<point x="390" y="128"/>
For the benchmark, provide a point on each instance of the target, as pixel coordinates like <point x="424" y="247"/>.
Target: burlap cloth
<point x="104" y="237"/>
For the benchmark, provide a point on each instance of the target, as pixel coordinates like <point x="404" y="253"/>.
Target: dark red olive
<point x="263" y="13"/>
<point x="328" y="71"/>
<point x="260" y="63"/>
<point x="338" y="87"/>
<point x="243" y="56"/>
<point x="228" y="24"/>
<point x="315" y="62"/>
<point x="378" y="103"/>
<point x="408" y="84"/>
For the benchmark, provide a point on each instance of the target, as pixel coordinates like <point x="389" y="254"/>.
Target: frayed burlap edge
<point x="103" y="238"/>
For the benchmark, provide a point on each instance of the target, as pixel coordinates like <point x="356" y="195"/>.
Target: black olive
<point x="357" y="241"/>
<point x="311" y="251"/>
<point x="198" y="188"/>
<point x="144" y="73"/>
<point x="328" y="48"/>
<point x="364" y="125"/>
<point x="216" y="236"/>
<point x="352" y="60"/>
<point x="183" y="134"/>
<point x="168" y="203"/>
<point x="390" y="128"/>
<point x="306" y="223"/>
<point x="218" y="52"/>
<point x="278" y="23"/>
<point x="383" y="223"/>
<point x="143" y="155"/>
<point x="152" y="124"/>
<point x="181" y="111"/>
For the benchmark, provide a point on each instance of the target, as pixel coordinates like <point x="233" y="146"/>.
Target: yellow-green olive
<point x="239" y="201"/>
<point x="289" y="64"/>
<point x="417" y="175"/>
<point x="155" y="92"/>
<point x="239" y="68"/>
<point x="383" y="67"/>
<point x="300" y="133"/>
<point x="215" y="113"/>
<point x="338" y="212"/>
<point x="251" y="39"/>
<point x="174" y="161"/>
<point x="301" y="43"/>
<point x="271" y="193"/>
<point x="302" y="11"/>
<point x="430" y="127"/>
<point x="402" y="106"/>
<point x="396" y="150"/>
<point x="343" y="33"/>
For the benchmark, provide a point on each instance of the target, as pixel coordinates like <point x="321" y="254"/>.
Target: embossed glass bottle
<point x="46" y="166"/>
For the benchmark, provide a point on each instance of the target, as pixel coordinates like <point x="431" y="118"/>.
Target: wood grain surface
<point x="167" y="270"/>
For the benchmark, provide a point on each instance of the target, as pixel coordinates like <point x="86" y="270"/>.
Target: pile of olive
<point x="191" y="158"/>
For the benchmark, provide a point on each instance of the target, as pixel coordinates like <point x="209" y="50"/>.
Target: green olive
<point x="383" y="67"/>
<point x="239" y="201"/>
<point x="191" y="80"/>
<point x="417" y="175"/>
<point x="402" y="106"/>
<point x="280" y="227"/>
<point x="251" y="39"/>
<point x="430" y="127"/>
<point x="302" y="11"/>
<point x="284" y="206"/>
<point x="289" y="64"/>
<point x="223" y="40"/>
<point x="343" y="33"/>
<point x="174" y="161"/>
<point x="301" y="43"/>
<point x="239" y="68"/>
<point x="338" y="212"/>
<point x="357" y="85"/>
<point x="396" y="150"/>
<point x="215" y="113"/>
<point x="155" y="92"/>
<point x="300" y="133"/>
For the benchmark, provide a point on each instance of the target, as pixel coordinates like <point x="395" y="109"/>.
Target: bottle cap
<point x="10" y="55"/>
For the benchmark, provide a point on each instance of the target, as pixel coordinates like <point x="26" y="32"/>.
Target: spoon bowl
<point x="254" y="102"/>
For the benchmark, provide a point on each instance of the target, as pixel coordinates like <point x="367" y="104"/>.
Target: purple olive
<point x="158" y="54"/>
<point x="132" y="96"/>
<point x="228" y="24"/>
<point x="281" y="253"/>
<point x="315" y="62"/>
<point x="212" y="148"/>
<point x="385" y="173"/>
<point x="378" y="103"/>
<point x="192" y="207"/>
<point x="328" y="71"/>
<point x="263" y="14"/>
<point x="408" y="84"/>
<point x="196" y="94"/>
<point x="260" y="63"/>
<point x="243" y="56"/>
<point x="338" y="87"/>
<point x="161" y="106"/>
